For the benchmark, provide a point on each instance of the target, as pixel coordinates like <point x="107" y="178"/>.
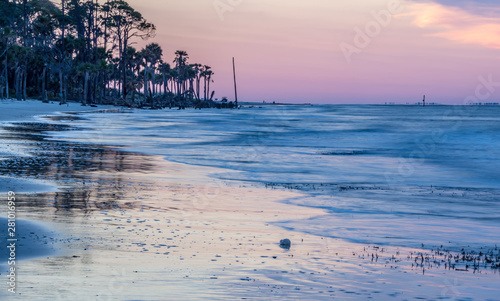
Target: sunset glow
<point x="250" y="149"/>
<point x="457" y="24"/>
<point x="290" y="50"/>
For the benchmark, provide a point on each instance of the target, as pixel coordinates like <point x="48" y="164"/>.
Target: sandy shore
<point x="134" y="215"/>
<point x="127" y="226"/>
<point x="37" y="239"/>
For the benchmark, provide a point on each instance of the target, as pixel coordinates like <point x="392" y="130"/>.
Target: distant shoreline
<point x="245" y="104"/>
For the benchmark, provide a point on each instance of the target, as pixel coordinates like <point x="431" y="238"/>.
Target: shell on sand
<point x="285" y="243"/>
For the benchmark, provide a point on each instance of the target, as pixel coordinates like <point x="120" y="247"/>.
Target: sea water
<point x="388" y="175"/>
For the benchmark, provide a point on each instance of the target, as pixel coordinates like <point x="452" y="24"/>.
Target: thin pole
<point x="235" y="91"/>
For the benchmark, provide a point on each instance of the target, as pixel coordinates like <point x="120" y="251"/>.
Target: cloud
<point x="457" y="23"/>
<point x="462" y="3"/>
<point x="480" y="7"/>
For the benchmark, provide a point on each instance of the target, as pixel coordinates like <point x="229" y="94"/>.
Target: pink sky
<point x="290" y="51"/>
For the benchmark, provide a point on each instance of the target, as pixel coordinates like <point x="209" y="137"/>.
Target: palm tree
<point x="207" y="74"/>
<point x="198" y="76"/>
<point x="80" y="49"/>
<point x="134" y="66"/>
<point x="165" y="72"/>
<point x="180" y="61"/>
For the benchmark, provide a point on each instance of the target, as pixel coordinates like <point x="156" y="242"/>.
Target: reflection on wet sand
<point x="139" y="227"/>
<point x="121" y="209"/>
<point x="83" y="171"/>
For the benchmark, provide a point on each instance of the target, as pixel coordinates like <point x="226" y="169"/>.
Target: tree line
<point x="81" y="50"/>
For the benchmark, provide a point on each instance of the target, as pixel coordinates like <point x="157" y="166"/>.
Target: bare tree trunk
<point x="164" y="86"/>
<point x="17" y="84"/>
<point x="209" y="88"/>
<point x="93" y="95"/>
<point x="184" y="86"/>
<point x="44" y="86"/>
<point x="65" y="92"/>
<point x="124" y="61"/>
<point x="153" y="78"/>
<point x="205" y="89"/>
<point x="61" y="98"/>
<point x="103" y="86"/>
<point x="198" y="88"/>
<point x="85" y="88"/>
<point x="179" y="81"/>
<point x="154" y="86"/>
<point x="146" y="81"/>
<point x="6" y="78"/>
<point x="24" y="80"/>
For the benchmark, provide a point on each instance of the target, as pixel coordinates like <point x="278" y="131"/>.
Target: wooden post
<point x="235" y="90"/>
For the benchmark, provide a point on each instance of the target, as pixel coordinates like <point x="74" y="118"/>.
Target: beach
<point x="169" y="205"/>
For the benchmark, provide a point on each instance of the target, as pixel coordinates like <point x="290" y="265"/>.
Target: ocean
<point x="408" y="176"/>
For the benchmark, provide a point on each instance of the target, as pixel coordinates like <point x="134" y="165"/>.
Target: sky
<point x="324" y="51"/>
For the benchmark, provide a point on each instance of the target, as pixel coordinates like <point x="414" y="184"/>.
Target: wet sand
<point x="128" y="226"/>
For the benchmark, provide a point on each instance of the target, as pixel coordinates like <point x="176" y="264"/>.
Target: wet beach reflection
<point x="83" y="171"/>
